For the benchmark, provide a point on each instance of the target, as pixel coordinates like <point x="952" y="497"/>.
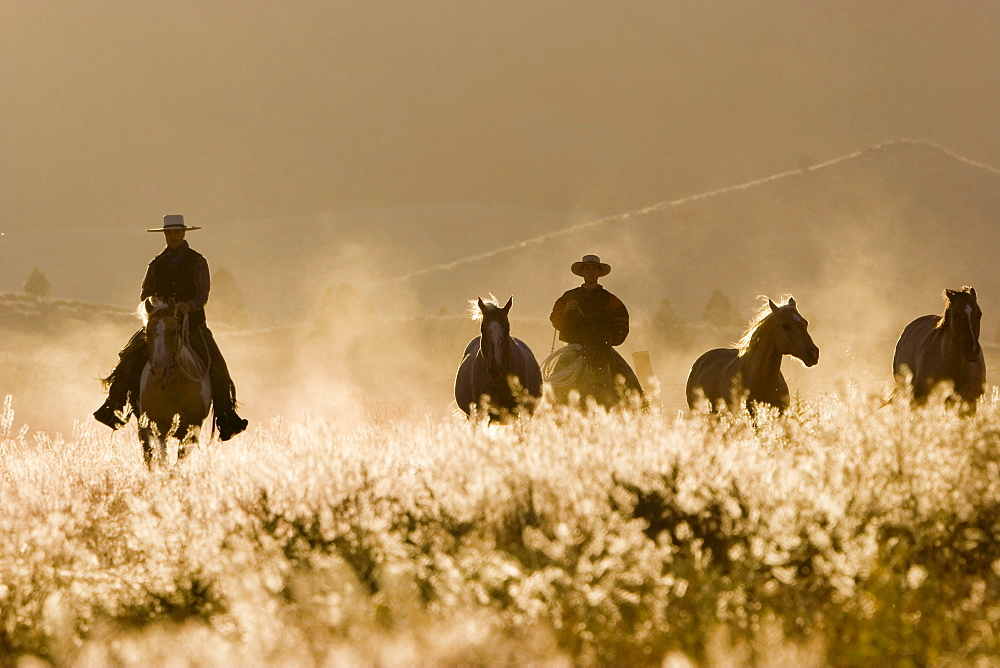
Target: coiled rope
<point x="568" y="374"/>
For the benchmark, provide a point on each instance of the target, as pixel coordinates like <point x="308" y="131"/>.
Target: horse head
<point x="962" y="318"/>
<point x="162" y="336"/>
<point x="790" y="333"/>
<point x="495" y="336"/>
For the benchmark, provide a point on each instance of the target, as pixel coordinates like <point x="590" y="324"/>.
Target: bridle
<point x="190" y="365"/>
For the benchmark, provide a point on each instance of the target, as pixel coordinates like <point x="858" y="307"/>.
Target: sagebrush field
<point x="840" y="534"/>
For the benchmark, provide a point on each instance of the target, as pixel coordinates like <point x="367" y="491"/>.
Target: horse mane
<point x="143" y="313"/>
<point x="475" y="313"/>
<point x="758" y="322"/>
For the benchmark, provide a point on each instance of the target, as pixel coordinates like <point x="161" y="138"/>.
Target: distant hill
<point x="883" y="230"/>
<point x="19" y="311"/>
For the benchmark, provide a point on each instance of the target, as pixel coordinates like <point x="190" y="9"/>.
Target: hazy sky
<point x="113" y="113"/>
<point x="261" y="119"/>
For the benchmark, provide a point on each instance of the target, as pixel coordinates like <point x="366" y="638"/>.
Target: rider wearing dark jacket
<point x="179" y="273"/>
<point x="591" y="316"/>
<point x="598" y="317"/>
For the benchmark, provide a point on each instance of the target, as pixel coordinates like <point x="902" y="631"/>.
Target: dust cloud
<point x="361" y="170"/>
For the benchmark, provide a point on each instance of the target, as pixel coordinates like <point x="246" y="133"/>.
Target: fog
<point x="362" y="169"/>
<point x="115" y="112"/>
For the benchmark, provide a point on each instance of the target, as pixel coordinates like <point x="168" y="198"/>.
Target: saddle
<point x="575" y="362"/>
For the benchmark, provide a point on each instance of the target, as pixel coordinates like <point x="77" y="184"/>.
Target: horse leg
<point x="967" y="408"/>
<point x="148" y="438"/>
<point x="147" y="452"/>
<point x="154" y="445"/>
<point x="161" y="451"/>
<point x="145" y="433"/>
<point x="189" y="441"/>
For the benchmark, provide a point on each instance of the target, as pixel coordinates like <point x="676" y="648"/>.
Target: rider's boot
<point x="113" y="409"/>
<point x="123" y="384"/>
<point x="224" y="399"/>
<point x="229" y="424"/>
<point x="223" y="392"/>
<point x="108" y="415"/>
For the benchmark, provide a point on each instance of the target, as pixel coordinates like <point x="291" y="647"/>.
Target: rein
<point x="185" y="329"/>
<point x="200" y="366"/>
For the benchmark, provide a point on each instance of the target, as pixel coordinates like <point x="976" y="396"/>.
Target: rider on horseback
<point x="182" y="274"/>
<point x="594" y="318"/>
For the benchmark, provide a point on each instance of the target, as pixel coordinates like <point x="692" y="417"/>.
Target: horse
<point x="175" y="392"/>
<point x="943" y="349"/>
<point x="583" y="373"/>
<point x="498" y="372"/>
<point x="751" y="373"/>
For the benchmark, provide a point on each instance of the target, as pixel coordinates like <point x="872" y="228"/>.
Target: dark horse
<point x="174" y="392"/>
<point x="944" y="349"/>
<point x="592" y="372"/>
<point x="751" y="373"/>
<point x="499" y="372"/>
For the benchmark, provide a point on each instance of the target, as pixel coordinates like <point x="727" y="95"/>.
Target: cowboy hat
<point x="173" y="222"/>
<point x="591" y="259"/>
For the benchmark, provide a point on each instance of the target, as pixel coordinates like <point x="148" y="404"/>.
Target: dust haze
<point x="362" y="169"/>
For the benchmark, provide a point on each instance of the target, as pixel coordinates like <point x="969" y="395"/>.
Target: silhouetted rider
<point x="180" y="273"/>
<point x="591" y="316"/>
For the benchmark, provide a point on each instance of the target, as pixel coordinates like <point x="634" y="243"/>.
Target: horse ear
<point x="482" y="306"/>
<point x="972" y="291"/>
<point x="949" y="294"/>
<point x="506" y="308"/>
<point x="774" y="307"/>
<point x="791" y="302"/>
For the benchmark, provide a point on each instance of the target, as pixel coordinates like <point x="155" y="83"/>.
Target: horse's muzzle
<point x="811" y="356"/>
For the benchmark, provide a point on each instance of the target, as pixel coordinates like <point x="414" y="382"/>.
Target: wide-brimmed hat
<point x="173" y="222"/>
<point x="590" y="259"/>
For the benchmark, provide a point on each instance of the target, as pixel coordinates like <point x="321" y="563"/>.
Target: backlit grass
<point x="840" y="534"/>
